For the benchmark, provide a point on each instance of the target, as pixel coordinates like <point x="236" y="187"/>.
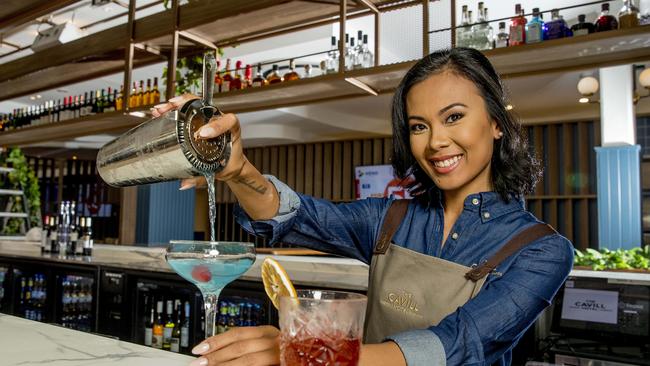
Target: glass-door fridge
<point x="30" y="292"/>
<point x="76" y="296"/>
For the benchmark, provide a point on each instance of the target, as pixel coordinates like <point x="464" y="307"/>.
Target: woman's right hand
<point x="217" y="125"/>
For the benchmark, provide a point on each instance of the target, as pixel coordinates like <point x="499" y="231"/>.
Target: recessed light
<point x="74" y="157"/>
<point x="509" y="107"/>
<point x="583" y="100"/>
<point x="38" y="96"/>
<point x="32" y="97"/>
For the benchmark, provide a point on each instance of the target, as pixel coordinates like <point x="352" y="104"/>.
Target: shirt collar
<point x="490" y="205"/>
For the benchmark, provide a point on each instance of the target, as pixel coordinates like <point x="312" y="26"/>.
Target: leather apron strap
<point x="392" y="220"/>
<point x="520" y="240"/>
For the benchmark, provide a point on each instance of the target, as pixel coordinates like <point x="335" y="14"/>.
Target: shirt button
<point x="475" y="201"/>
<point x="486" y="215"/>
<point x="454" y="236"/>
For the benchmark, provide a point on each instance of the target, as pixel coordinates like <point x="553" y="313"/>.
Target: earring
<point x="500" y="134"/>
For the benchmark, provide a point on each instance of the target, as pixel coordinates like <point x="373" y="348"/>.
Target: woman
<point x="458" y="273"/>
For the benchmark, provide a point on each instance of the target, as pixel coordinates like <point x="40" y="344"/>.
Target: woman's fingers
<point x="174" y="103"/>
<point x="234" y="335"/>
<point x="217" y="126"/>
<point x="242" y="349"/>
<point x="195" y="182"/>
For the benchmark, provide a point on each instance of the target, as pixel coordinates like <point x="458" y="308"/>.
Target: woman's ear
<point x="496" y="130"/>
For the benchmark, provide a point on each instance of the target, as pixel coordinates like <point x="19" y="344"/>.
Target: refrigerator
<point x="29" y="292"/>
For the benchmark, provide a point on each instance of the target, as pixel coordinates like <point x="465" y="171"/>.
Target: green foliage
<point x="189" y="72"/>
<point x="23" y="177"/>
<point x="636" y="258"/>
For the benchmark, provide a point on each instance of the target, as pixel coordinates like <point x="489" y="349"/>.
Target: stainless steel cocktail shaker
<point x="163" y="149"/>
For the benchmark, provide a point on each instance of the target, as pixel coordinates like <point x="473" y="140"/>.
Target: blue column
<point x="619" y="196"/>
<point x="164" y="213"/>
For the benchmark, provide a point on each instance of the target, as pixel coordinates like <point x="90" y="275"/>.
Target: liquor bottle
<point x="482" y="32"/>
<point x="292" y="74"/>
<point x="351" y="60"/>
<point x="463" y="33"/>
<point x="236" y="83"/>
<point x="359" y="52"/>
<point x="501" y="40"/>
<point x="154" y="98"/>
<point x="517" y="27"/>
<point x="259" y="80"/>
<point x="112" y="97"/>
<point x="94" y="109"/>
<point x="222" y="320"/>
<point x="535" y="28"/>
<point x="169" y="327"/>
<point x="45" y="236"/>
<point x="74" y="236"/>
<point x="582" y="27"/>
<point x="87" y="238"/>
<point x="227" y="78"/>
<point x="274" y="77"/>
<point x="185" y="328"/>
<point x="308" y="73"/>
<point x="54" y="240"/>
<point x="132" y="96"/>
<point x="175" y="341"/>
<point x="332" y="62"/>
<point x="157" y="339"/>
<point x="75" y="107"/>
<point x="248" y="76"/>
<point x="368" y="56"/>
<point x="218" y="80"/>
<point x="346" y="52"/>
<point x="148" y="326"/>
<point x="557" y="27"/>
<point x="146" y="96"/>
<point x="605" y="21"/>
<point x="139" y="96"/>
<point x="628" y="16"/>
<point x="81" y="223"/>
<point x="119" y="100"/>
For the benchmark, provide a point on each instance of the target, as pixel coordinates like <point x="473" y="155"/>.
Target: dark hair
<point x="514" y="170"/>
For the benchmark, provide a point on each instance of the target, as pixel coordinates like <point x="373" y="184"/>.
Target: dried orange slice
<point x="276" y="281"/>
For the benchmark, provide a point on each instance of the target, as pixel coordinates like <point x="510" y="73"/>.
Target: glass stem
<point x="210" y="304"/>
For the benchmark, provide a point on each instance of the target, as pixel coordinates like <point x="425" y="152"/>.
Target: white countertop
<point x="25" y="342"/>
<point x="316" y="271"/>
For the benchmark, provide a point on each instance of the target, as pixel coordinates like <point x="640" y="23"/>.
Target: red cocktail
<point x="321" y="328"/>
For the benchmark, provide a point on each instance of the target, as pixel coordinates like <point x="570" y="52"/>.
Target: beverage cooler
<point x="169" y="313"/>
<point x="4" y="284"/>
<point x="76" y="294"/>
<point x="29" y="291"/>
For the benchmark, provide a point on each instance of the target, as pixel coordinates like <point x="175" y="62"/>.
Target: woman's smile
<point x="446" y="164"/>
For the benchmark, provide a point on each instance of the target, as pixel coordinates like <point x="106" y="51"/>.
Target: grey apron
<point x="409" y="290"/>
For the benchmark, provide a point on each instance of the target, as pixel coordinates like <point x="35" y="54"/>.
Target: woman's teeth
<point x="448" y="162"/>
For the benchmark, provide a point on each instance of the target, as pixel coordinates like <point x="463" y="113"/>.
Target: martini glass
<point x="210" y="265"/>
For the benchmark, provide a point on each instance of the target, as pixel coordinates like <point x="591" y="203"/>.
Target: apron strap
<point x="392" y="220"/>
<point x="519" y="241"/>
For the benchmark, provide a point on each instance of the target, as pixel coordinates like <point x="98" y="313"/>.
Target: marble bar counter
<point x="313" y="271"/>
<point x="26" y="342"/>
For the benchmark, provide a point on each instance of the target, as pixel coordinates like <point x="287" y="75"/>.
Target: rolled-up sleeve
<point x="482" y="330"/>
<point x="420" y="347"/>
<point x="346" y="229"/>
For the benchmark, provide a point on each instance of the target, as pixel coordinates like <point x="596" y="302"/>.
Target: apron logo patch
<point x="402" y="301"/>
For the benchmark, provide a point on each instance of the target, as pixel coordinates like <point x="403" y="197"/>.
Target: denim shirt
<point x="486" y="328"/>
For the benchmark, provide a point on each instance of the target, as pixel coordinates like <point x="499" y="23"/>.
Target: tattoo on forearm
<point x="250" y="183"/>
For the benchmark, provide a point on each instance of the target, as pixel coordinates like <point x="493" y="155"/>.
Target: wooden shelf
<point x="102" y="53"/>
<point x="89" y="125"/>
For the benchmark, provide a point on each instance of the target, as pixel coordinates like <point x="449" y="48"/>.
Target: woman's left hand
<point x="240" y="346"/>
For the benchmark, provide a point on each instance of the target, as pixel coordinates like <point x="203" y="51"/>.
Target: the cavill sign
<point x="590" y="305"/>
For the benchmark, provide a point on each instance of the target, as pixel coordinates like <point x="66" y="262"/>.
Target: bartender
<point x="476" y="268"/>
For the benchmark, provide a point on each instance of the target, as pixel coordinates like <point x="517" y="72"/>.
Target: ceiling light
<point x="583" y="100"/>
<point x="32" y="97"/>
<point x="74" y="157"/>
<point x="38" y="96"/>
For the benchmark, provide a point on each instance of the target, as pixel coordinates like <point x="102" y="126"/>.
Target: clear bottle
<point x="45" y="236"/>
<point x="169" y="327"/>
<point x="368" y="56"/>
<point x="557" y="27"/>
<point x="605" y="21"/>
<point x="332" y="62"/>
<point x="88" y="238"/>
<point x="483" y="33"/>
<point x="535" y="28"/>
<point x="175" y="342"/>
<point x="463" y="33"/>
<point x="501" y="40"/>
<point x="628" y="16"/>
<point x="517" y="27"/>
<point x="185" y="328"/>
<point x="351" y="58"/>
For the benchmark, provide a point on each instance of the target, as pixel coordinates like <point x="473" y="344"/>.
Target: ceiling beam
<point x="30" y="12"/>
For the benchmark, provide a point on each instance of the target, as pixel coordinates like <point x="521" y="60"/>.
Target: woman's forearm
<point x="255" y="194"/>
<point x="387" y="353"/>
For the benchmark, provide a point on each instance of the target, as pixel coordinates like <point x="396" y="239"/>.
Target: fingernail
<point x="201" y="361"/>
<point x="159" y="105"/>
<point x="186" y="186"/>
<point x="206" y="131"/>
<point x="176" y="99"/>
<point x="200" y="349"/>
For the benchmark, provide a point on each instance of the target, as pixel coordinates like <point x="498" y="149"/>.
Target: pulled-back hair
<point x="514" y="170"/>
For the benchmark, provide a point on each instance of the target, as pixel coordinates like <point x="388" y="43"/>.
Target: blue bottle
<point x="535" y="28"/>
<point x="557" y="27"/>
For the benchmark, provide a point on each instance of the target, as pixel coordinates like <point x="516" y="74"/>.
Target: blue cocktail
<point x="210" y="266"/>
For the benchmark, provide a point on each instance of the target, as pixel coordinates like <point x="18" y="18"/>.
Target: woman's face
<point x="451" y="133"/>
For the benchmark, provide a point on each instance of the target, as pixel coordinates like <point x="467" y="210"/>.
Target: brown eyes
<point x="453" y="117"/>
<point x="417" y="127"/>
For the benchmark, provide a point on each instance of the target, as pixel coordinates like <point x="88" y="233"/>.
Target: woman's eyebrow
<point x="452" y="105"/>
<point x="418" y="118"/>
